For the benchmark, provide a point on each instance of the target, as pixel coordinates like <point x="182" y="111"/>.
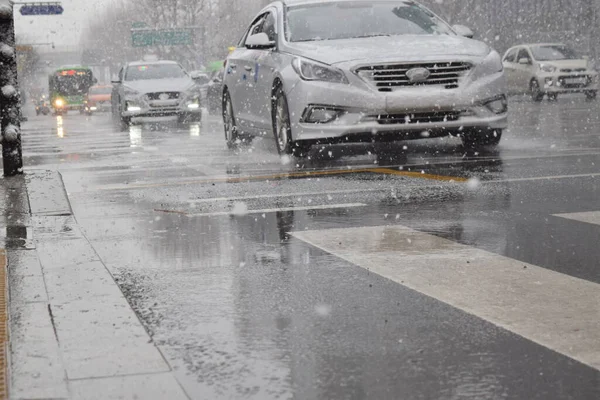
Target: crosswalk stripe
<point x="555" y="310"/>
<point x="592" y="217"/>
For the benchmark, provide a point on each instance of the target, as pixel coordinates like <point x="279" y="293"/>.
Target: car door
<point x="263" y="74"/>
<point x="240" y="79"/>
<point x="509" y="62"/>
<point x="523" y="71"/>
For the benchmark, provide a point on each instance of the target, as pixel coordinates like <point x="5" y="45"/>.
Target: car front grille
<point x="386" y="77"/>
<point x="418" y="118"/>
<point x="572" y="70"/>
<point x="566" y="81"/>
<point x="156" y="95"/>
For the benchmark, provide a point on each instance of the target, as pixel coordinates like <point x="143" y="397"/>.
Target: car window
<point x="359" y="19"/>
<point x="154" y="71"/>
<point x="268" y="26"/>
<point x="554" y="53"/>
<point x="101" y="90"/>
<point x="511" y="56"/>
<point x="523" y="53"/>
<point x="255" y="28"/>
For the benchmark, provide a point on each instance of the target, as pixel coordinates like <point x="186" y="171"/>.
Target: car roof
<point x="162" y="62"/>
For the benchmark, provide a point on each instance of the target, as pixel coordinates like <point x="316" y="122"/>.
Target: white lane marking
<point x="542" y="178"/>
<point x="284" y="209"/>
<point x="555" y="310"/>
<point x="592" y="217"/>
<point x="280" y="195"/>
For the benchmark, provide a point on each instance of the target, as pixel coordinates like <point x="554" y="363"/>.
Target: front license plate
<point x="575" y="81"/>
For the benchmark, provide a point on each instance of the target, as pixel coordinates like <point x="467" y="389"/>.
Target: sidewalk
<point x="72" y="333"/>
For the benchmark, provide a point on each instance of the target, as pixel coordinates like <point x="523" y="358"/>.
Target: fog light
<point x="58" y="103"/>
<point x="322" y="115"/>
<point x="498" y="105"/>
<point x="193" y="106"/>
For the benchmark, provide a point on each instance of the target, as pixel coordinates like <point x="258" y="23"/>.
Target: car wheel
<point x="535" y="91"/>
<point x="282" y="128"/>
<point x="229" y="124"/>
<point x="123" y="122"/>
<point x="553" y="96"/>
<point x="591" y="94"/>
<point x="479" y="138"/>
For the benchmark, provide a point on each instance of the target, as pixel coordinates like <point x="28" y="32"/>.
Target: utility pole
<point x="10" y="109"/>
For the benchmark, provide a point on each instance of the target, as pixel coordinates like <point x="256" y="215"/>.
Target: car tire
<point x="591" y="94"/>
<point x="481" y="138"/>
<point x="535" y="91"/>
<point x="553" y="97"/>
<point x="232" y="134"/>
<point x="282" y="129"/>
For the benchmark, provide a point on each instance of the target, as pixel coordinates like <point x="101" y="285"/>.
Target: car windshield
<point x="360" y="19"/>
<point x="554" y="53"/>
<point x="101" y="90"/>
<point x="154" y="71"/>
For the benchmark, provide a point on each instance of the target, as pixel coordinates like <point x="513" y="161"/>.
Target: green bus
<point x="69" y="87"/>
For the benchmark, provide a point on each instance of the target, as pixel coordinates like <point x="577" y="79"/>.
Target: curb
<point x="4" y="343"/>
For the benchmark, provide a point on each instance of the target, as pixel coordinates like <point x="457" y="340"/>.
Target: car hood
<point x="393" y="48"/>
<point x="570" y="64"/>
<point x="160" y="85"/>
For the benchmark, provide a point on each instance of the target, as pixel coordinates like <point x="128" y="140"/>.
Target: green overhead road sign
<point x="161" y="37"/>
<point x="139" y="25"/>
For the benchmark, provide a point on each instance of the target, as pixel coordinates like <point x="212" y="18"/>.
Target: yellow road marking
<point x="3" y="326"/>
<point x="295" y="175"/>
<point x="421" y="175"/>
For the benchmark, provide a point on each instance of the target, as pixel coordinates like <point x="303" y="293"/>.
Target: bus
<point x="69" y="87"/>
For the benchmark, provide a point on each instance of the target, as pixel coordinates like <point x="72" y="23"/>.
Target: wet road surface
<point x="434" y="273"/>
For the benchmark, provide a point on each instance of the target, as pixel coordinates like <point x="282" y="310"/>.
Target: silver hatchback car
<point x="338" y="71"/>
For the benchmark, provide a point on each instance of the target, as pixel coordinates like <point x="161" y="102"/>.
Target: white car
<point x="147" y="90"/>
<point x="549" y="69"/>
<point x="338" y="71"/>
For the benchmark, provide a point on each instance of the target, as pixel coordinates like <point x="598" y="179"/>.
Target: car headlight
<point x="547" y="68"/>
<point x="313" y="71"/>
<point x="59" y="103"/>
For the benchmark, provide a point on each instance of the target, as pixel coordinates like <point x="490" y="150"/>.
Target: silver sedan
<point x="339" y="71"/>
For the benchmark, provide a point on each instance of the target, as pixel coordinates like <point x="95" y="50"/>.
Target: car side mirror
<point x="524" y="61"/>
<point x="259" y="41"/>
<point x="463" y="31"/>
